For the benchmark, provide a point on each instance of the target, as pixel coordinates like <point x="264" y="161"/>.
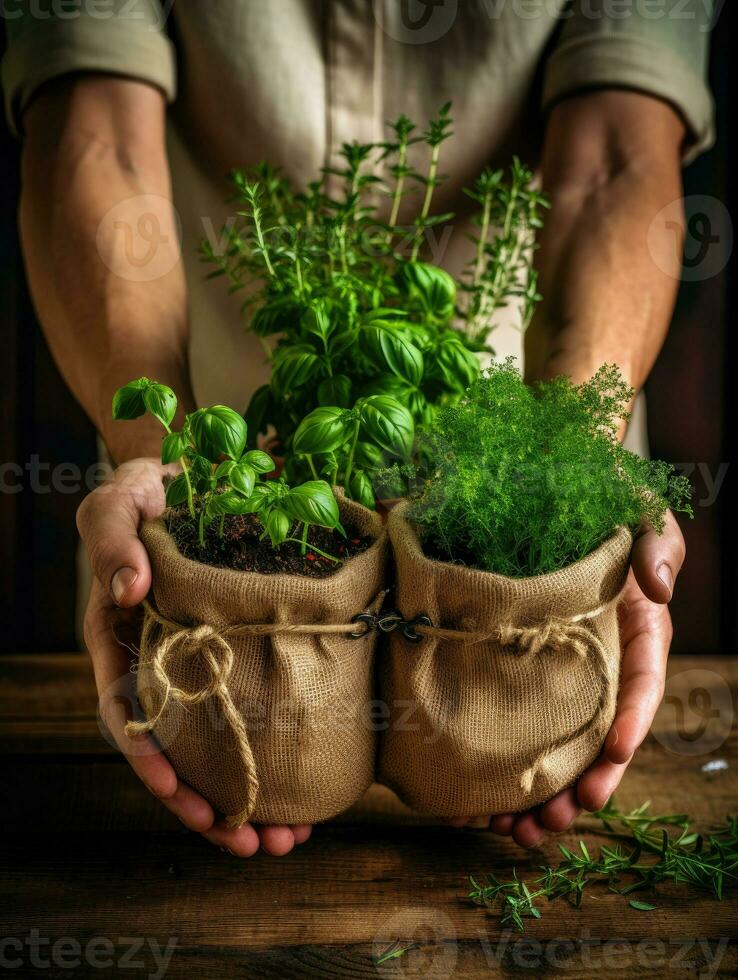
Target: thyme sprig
<point x="652" y="849"/>
<point x="347" y="308"/>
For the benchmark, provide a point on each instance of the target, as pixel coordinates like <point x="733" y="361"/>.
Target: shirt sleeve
<point x="48" y="39"/>
<point x="654" y="46"/>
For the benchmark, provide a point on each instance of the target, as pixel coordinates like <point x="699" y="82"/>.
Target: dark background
<point x="691" y="401"/>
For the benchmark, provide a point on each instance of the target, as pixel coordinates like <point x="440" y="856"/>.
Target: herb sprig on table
<point x="652" y="850"/>
<point x="346" y="309"/>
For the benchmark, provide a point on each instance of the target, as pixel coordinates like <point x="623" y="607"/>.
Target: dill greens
<point x="346" y="309"/>
<point x="649" y="855"/>
<point x="525" y="480"/>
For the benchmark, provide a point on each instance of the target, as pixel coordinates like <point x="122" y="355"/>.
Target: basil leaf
<point x="224" y="469"/>
<point x="293" y="369"/>
<point x="369" y="456"/>
<point x="276" y="316"/>
<point x="201" y="471"/>
<point x="360" y="489"/>
<point x="258" y="499"/>
<point x="218" y="432"/>
<point x="277" y="525"/>
<point x="322" y="431"/>
<point x="388" y="423"/>
<point x="312" y="502"/>
<point x="452" y="364"/>
<point x="388" y="384"/>
<point x="432" y="288"/>
<point x="128" y="401"/>
<point x="173" y="447"/>
<point x="242" y="478"/>
<point x="641" y="906"/>
<point x="335" y="391"/>
<point x="388" y="343"/>
<point x="229" y="502"/>
<point x="315" y="320"/>
<point x="383" y="313"/>
<point x="262" y="462"/>
<point x="161" y="402"/>
<point x="419" y="407"/>
<point x="176" y="491"/>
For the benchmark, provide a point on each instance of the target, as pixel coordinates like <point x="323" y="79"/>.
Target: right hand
<point x="108" y="521"/>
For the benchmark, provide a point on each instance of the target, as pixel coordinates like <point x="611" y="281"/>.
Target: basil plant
<point x="220" y="474"/>
<point x="365" y="339"/>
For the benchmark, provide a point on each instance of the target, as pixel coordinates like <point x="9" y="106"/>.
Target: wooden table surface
<point x="89" y="861"/>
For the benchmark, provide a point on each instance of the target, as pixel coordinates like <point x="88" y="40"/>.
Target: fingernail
<point x="665" y="576"/>
<point x="121" y="583"/>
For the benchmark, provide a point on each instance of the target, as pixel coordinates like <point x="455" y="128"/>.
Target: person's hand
<point x="645" y="636"/>
<point x="108" y="522"/>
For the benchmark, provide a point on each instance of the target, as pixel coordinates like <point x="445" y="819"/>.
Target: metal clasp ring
<point x="369" y="620"/>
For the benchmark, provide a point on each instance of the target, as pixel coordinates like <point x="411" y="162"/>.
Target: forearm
<point x="108" y="285"/>
<point x="611" y="164"/>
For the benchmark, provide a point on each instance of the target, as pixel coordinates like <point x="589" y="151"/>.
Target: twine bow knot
<point x="215" y="653"/>
<point x="553" y="633"/>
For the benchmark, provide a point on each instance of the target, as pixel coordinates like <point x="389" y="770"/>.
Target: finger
<point x="301" y="832"/>
<point x="646" y="633"/>
<point x="108" y="521"/>
<point x="276" y="841"/>
<point x="240" y="842"/>
<point x="458" y="821"/>
<point x="557" y="814"/>
<point x="598" y="784"/>
<point x="502" y="824"/>
<point x="657" y="559"/>
<point x="528" y="831"/>
<point x="186" y="804"/>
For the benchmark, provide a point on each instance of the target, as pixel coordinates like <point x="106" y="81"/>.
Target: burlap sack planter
<point x="510" y="693"/>
<point x="270" y="727"/>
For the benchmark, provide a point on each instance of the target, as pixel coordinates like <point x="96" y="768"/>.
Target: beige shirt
<point x="290" y="80"/>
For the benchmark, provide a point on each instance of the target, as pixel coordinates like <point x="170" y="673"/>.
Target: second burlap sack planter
<point x="507" y="697"/>
<point x="253" y="685"/>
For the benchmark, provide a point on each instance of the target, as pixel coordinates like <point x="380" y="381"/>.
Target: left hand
<point x="645" y="636"/>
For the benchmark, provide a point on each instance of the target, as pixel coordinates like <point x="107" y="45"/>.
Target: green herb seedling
<point x="347" y="310"/>
<point x="523" y="480"/>
<point x="221" y="475"/>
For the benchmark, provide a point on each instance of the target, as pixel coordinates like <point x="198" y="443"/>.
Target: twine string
<point x="553" y="633"/>
<point x="211" y="645"/>
<point x="216" y="653"/>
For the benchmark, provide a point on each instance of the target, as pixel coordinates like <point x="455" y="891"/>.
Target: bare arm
<point x="101" y="246"/>
<point x="611" y="162"/>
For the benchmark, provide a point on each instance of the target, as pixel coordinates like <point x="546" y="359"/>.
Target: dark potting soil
<point x="240" y="547"/>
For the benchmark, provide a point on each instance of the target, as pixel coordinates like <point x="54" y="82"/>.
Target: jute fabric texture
<point x="508" y="697"/>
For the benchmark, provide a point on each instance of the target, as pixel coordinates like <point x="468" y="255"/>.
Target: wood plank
<point x="87" y="852"/>
<point x="344" y="886"/>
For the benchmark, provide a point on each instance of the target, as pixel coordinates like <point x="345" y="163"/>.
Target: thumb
<point x="658" y="558"/>
<point x="108" y="521"/>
